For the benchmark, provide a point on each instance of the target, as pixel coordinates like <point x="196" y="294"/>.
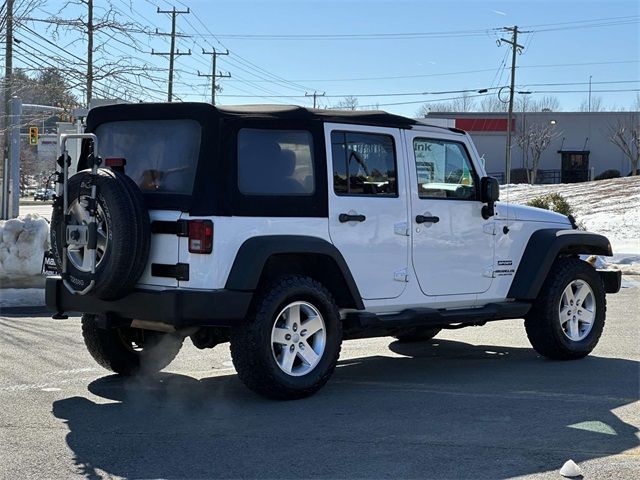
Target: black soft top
<point x="209" y="113"/>
<point x="215" y="189"/>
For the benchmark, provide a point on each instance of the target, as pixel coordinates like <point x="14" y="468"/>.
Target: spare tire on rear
<point x="123" y="234"/>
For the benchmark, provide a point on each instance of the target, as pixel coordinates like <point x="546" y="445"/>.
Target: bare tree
<point x="101" y="26"/>
<point x="348" y="103"/>
<point x="427" y="108"/>
<point x="596" y="105"/>
<point x="533" y="141"/>
<point x="464" y="103"/>
<point x="625" y="135"/>
<point x="491" y="103"/>
<point x="21" y="9"/>
<point x="548" y="103"/>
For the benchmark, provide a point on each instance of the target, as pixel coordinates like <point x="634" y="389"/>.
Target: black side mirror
<point x="489" y="194"/>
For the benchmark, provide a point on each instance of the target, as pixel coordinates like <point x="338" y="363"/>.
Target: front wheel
<point x="568" y="316"/>
<point x="289" y="345"/>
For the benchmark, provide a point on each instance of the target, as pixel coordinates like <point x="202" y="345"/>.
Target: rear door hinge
<point x="401" y="275"/>
<point x="177" y="227"/>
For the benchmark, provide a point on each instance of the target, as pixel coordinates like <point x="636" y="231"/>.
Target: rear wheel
<point x="289" y="345"/>
<point x="567" y="318"/>
<point x="129" y="351"/>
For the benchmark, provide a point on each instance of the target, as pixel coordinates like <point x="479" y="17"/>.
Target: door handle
<point x="423" y="219"/>
<point x="346" y="217"/>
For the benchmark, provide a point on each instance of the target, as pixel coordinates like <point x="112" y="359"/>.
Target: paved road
<point x="474" y="403"/>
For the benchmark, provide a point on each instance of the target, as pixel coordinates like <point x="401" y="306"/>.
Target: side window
<point x="363" y="164"/>
<point x="443" y="170"/>
<point x="275" y="162"/>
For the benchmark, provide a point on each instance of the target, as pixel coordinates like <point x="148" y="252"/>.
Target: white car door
<point x="453" y="246"/>
<point x="368" y="211"/>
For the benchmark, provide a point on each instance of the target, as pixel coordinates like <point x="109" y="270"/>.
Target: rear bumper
<point x="611" y="279"/>
<point x="180" y="308"/>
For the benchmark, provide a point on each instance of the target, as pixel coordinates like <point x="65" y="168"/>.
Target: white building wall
<point x="577" y="131"/>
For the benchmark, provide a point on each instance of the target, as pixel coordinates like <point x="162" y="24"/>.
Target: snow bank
<point x="610" y="207"/>
<point x="23" y="241"/>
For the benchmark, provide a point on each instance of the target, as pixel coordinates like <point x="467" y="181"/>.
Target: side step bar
<point x="364" y="324"/>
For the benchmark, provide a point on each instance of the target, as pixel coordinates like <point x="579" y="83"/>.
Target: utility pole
<point x="515" y="48"/>
<point x="214" y="75"/>
<point x="590" y="92"/>
<point x="315" y="96"/>
<point x="173" y="53"/>
<point x="8" y="91"/>
<point x="89" y="51"/>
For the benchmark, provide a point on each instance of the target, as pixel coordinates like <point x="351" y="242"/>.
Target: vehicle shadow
<point x="441" y="409"/>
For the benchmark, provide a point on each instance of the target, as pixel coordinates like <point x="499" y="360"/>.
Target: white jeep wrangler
<point x="285" y="230"/>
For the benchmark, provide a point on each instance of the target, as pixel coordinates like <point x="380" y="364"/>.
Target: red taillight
<point x="115" y="162"/>
<point x="200" y="236"/>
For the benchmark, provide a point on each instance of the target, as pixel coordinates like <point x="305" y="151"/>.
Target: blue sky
<point x="352" y="65"/>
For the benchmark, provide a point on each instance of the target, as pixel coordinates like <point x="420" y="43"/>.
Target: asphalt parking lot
<point x="472" y="403"/>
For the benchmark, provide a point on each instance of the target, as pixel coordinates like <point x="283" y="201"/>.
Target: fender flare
<point x="254" y="253"/>
<point x="541" y="251"/>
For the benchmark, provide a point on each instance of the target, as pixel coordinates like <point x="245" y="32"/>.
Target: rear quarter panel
<point x="229" y="233"/>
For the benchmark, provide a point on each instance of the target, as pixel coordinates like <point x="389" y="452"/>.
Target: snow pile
<point x="23" y="241"/>
<point x="610" y="207"/>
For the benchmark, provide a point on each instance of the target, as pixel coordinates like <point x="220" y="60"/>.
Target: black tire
<point x="114" y="349"/>
<point x="251" y="347"/>
<point x="417" y="334"/>
<point x="143" y="228"/>
<point x="542" y="323"/>
<point x="127" y="222"/>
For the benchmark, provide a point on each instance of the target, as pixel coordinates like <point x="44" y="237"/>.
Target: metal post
<point x="8" y="91"/>
<point x="14" y="158"/>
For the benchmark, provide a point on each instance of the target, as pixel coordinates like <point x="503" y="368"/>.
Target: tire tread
<point x="249" y="338"/>
<point x="539" y="322"/>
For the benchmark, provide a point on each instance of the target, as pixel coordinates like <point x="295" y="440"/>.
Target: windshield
<point x="161" y="155"/>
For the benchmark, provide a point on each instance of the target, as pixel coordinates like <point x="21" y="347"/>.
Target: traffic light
<point x="33" y="135"/>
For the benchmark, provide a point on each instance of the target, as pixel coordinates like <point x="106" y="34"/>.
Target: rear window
<point x="161" y="155"/>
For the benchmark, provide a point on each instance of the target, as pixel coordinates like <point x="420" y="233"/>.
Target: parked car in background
<point x="44" y="194"/>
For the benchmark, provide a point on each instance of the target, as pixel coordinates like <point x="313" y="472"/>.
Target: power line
<point x="555" y="65"/>
<point x="591" y="23"/>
